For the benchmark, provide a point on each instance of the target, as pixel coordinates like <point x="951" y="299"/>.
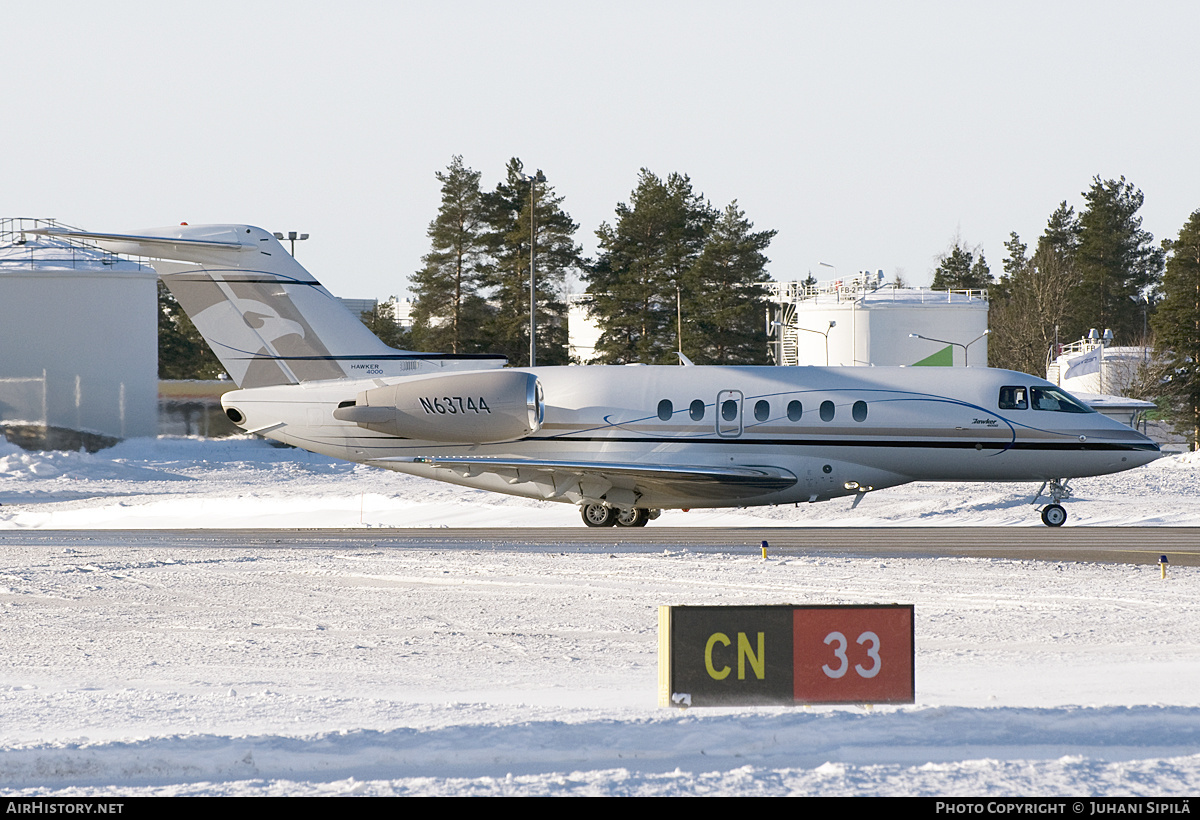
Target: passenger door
<point x="729" y="413"/>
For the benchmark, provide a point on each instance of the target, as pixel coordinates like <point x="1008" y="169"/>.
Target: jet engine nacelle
<point x="485" y="407"/>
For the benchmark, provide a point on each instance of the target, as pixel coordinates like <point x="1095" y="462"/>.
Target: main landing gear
<point x="1053" y="514"/>
<point x="598" y="515"/>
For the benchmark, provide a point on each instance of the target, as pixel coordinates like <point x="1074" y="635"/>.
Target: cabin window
<point x="859" y="411"/>
<point x="696" y="411"/>
<point x="826" y="411"/>
<point x="762" y="410"/>
<point x="729" y="409"/>
<point x="665" y="409"/>
<point x="1058" y="401"/>
<point x="795" y="410"/>
<point x="1013" y="398"/>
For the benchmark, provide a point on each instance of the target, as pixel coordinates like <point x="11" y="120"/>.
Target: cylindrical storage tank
<point x="876" y="328"/>
<point x="78" y="342"/>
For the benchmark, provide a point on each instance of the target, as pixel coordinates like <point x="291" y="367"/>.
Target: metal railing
<point x="65" y="250"/>
<point x="859" y="287"/>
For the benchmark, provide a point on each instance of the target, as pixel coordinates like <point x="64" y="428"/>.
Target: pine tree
<point x="1062" y="231"/>
<point x="382" y="322"/>
<point x="636" y="286"/>
<point x="726" y="294"/>
<point x="507" y="213"/>
<point x="1177" y="329"/>
<point x="1017" y="259"/>
<point x="182" y="351"/>
<point x="1030" y="305"/>
<point x="959" y="269"/>
<point x="1116" y="261"/>
<point x="1036" y="294"/>
<point x="1087" y="272"/>
<point x="448" y="310"/>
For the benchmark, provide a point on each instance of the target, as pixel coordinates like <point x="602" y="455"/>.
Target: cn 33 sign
<point x="750" y="655"/>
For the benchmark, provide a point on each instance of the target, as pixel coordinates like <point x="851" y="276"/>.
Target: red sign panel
<point x="849" y="654"/>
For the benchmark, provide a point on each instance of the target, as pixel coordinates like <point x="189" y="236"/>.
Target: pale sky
<point x="867" y="134"/>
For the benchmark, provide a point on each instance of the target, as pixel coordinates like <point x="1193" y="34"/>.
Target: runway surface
<point x="1129" y="545"/>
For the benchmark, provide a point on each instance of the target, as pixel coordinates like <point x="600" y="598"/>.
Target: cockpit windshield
<point x="1056" y="400"/>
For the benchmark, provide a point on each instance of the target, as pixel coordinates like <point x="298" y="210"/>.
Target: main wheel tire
<point x="634" y="517"/>
<point x="1053" y="515"/>
<point x="598" y="515"/>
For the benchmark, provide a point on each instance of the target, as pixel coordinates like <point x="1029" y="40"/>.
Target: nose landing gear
<point x="1053" y="514"/>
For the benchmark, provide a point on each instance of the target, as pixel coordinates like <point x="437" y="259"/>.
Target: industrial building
<point x="78" y="341"/>
<point x="860" y="321"/>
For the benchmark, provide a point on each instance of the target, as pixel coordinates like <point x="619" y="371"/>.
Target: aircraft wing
<point x="621" y="483"/>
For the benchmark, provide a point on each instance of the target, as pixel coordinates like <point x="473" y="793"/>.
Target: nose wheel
<point x="1053" y="515"/>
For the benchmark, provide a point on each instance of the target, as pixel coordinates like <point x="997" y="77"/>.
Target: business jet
<point x="620" y="442"/>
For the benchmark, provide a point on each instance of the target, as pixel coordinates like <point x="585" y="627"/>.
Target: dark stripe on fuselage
<point x="1047" y="446"/>
<point x="279" y="280"/>
<point x="906" y="443"/>
<point x="386" y="357"/>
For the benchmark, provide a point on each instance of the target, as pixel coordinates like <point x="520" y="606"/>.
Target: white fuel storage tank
<point x="78" y="342"/>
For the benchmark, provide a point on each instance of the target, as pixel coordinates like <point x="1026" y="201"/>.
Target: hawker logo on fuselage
<point x="986" y="422"/>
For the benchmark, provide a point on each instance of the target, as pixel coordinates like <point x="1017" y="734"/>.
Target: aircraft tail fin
<point x="265" y="317"/>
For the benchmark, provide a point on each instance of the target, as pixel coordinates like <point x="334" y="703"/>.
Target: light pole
<point x="776" y="329"/>
<point x="966" y="360"/>
<point x="1144" y="301"/>
<point x="834" y="269"/>
<point x="533" y="181"/>
<point x="678" y="317"/>
<point x="293" y="236"/>
<point x="825" y="333"/>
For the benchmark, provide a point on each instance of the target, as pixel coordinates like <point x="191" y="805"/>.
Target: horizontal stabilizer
<point x="200" y="243"/>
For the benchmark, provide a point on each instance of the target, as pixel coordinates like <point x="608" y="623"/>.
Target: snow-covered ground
<point x="184" y="483"/>
<point x="366" y="670"/>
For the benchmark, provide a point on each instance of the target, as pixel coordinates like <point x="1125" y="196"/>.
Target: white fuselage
<point x="838" y="431"/>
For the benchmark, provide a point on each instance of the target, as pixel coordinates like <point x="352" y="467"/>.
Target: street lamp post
<point x="1144" y="301"/>
<point x="533" y="181"/>
<point x="966" y="360"/>
<point x="776" y="329"/>
<point x="678" y="317"/>
<point x="825" y="333"/>
<point x="291" y="235"/>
